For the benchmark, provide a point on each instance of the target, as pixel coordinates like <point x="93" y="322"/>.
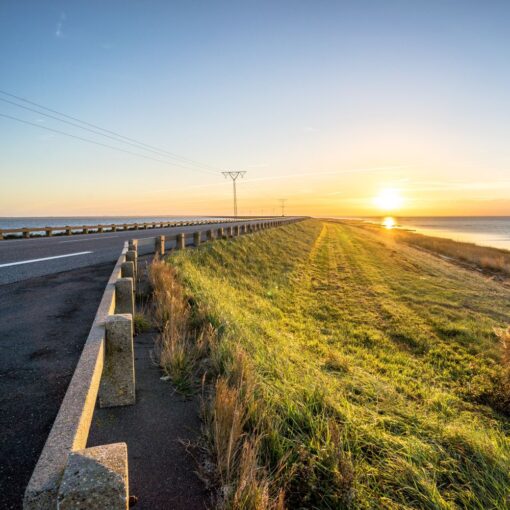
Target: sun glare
<point x="389" y="222"/>
<point x="388" y="200"/>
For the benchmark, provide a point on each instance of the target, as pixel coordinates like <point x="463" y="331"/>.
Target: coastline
<point x="492" y="261"/>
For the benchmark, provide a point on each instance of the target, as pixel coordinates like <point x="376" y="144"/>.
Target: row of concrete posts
<point x="69" y="475"/>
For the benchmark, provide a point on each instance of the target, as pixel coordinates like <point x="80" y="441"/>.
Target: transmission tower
<point x="282" y="202"/>
<point x="234" y="176"/>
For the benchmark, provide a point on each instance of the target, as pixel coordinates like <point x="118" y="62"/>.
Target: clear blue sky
<point x="324" y="102"/>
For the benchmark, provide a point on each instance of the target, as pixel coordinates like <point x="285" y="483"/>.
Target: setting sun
<point x="388" y="200"/>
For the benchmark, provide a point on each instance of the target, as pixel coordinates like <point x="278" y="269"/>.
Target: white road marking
<point x="88" y="239"/>
<point x="45" y="258"/>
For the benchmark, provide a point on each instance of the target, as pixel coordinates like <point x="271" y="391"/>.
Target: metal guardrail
<point x="67" y="471"/>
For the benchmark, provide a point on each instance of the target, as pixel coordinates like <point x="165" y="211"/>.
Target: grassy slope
<point x="392" y="345"/>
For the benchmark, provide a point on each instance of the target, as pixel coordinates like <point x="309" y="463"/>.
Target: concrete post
<point x="95" y="478"/>
<point x="100" y="229"/>
<point x="159" y="247"/>
<point x="181" y="241"/>
<point x="209" y="235"/>
<point x="49" y="231"/>
<point x="127" y="270"/>
<point x="132" y="256"/>
<point x="69" y="231"/>
<point x="118" y="380"/>
<point x="196" y="238"/>
<point x="220" y="233"/>
<point x="114" y="228"/>
<point x="237" y="230"/>
<point x="133" y="245"/>
<point x="124" y="296"/>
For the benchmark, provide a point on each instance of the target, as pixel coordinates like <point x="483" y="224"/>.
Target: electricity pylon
<point x="234" y="176"/>
<point x="282" y="202"/>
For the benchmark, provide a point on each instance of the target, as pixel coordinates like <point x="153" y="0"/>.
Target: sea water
<point x="482" y="230"/>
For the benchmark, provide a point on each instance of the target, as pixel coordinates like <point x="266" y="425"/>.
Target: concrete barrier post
<point x="114" y="228"/>
<point x="96" y="478"/>
<point x="160" y="246"/>
<point x="124" y="296"/>
<point x="181" y="241"/>
<point x="220" y="233"/>
<point x="133" y="245"/>
<point x="196" y="238"/>
<point x="118" y="380"/>
<point x="209" y="235"/>
<point x="69" y="231"/>
<point x="26" y="233"/>
<point x="127" y="270"/>
<point x="100" y="229"/>
<point x="132" y="256"/>
<point x="85" y="230"/>
<point x="49" y="231"/>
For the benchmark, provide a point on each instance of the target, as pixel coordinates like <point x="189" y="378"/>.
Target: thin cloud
<point x="334" y="172"/>
<point x="58" y="32"/>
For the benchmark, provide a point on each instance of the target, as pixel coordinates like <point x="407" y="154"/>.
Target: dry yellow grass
<point x="243" y="484"/>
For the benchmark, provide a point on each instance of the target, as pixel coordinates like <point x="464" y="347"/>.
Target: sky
<point x="325" y="103"/>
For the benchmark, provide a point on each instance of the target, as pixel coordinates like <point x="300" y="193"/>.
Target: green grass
<point x="377" y="372"/>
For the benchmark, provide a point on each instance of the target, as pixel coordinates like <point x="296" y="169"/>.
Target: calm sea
<point x="485" y="231"/>
<point x="86" y="220"/>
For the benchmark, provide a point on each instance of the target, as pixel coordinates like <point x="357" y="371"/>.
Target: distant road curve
<point x="28" y="258"/>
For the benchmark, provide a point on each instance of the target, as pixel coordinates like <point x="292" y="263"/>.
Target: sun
<point x="388" y="199"/>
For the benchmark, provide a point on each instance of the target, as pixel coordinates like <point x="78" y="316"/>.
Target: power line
<point x="98" y="143"/>
<point x="234" y="176"/>
<point x="138" y="146"/>
<point x="118" y="135"/>
<point x="282" y="203"/>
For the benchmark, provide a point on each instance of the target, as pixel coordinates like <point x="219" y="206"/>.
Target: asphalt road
<point x="44" y="323"/>
<point x="46" y="311"/>
<point x="28" y="258"/>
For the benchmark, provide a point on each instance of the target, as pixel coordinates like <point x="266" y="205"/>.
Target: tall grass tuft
<point x="178" y="347"/>
<point x="502" y="393"/>
<point x="184" y="342"/>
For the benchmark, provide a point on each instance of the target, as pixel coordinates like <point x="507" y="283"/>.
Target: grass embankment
<point x="353" y="372"/>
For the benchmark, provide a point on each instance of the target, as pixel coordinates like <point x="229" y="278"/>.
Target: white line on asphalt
<point x="45" y="258"/>
<point x="88" y="239"/>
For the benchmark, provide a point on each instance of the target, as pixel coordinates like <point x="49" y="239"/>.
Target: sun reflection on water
<point x="389" y="222"/>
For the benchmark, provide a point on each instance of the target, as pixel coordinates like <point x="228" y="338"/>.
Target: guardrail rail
<point x="68" y="474"/>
